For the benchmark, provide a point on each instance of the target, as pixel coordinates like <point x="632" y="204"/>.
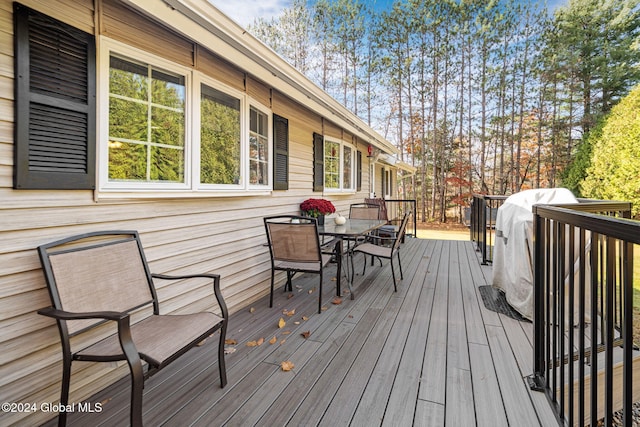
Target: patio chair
<point x="294" y="246"/>
<point x="382" y="251"/>
<point x="388" y="230"/>
<point x="364" y="211"/>
<point x="98" y="283"/>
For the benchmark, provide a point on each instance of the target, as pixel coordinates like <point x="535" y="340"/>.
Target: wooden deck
<point x="429" y="355"/>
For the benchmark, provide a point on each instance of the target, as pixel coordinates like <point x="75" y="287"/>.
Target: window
<point x="170" y="127"/>
<point x="258" y="147"/>
<point x="347" y="167"/>
<point x="220" y="137"/>
<point x="55" y="103"/>
<point x="331" y="165"/>
<point x="388" y="183"/>
<point x="338" y="166"/>
<point x="146" y="123"/>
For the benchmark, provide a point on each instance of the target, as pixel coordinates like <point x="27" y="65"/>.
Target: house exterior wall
<point x="221" y="234"/>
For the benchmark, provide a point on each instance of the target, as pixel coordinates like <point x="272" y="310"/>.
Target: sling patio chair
<point x="390" y="229"/>
<point x="367" y="211"/>
<point x="101" y="280"/>
<point x="294" y="246"/>
<point x="364" y="211"/>
<point x="381" y="250"/>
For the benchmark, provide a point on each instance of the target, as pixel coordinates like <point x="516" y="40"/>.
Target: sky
<point x="245" y="11"/>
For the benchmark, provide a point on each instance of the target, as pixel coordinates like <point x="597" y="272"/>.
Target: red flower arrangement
<point x="317" y="207"/>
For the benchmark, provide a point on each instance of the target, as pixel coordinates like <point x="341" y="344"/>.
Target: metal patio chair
<point x="391" y="228"/>
<point x="99" y="283"/>
<point x="381" y="250"/>
<point x="294" y="245"/>
<point x="364" y="211"/>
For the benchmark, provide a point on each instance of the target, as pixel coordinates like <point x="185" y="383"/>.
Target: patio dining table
<point x="349" y="232"/>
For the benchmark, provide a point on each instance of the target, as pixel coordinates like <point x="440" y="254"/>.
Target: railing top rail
<point x="619" y="228"/>
<point x="588" y="205"/>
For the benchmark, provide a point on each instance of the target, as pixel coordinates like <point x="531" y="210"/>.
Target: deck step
<point x="618" y="378"/>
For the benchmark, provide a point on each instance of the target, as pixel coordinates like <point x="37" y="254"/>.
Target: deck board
<point x="430" y="354"/>
<point x="432" y="386"/>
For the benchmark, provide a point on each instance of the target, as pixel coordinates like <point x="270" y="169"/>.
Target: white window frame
<point x="252" y="103"/>
<point x="107" y="47"/>
<point x="198" y="82"/>
<point x="191" y="187"/>
<point x="341" y="188"/>
<point x="387" y="183"/>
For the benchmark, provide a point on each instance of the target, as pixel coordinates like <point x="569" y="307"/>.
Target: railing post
<point x="627" y="328"/>
<point x="482" y="234"/>
<point x="537" y="381"/>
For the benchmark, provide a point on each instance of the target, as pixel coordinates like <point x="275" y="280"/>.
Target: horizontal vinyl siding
<point x="126" y="25"/>
<point x="258" y="91"/>
<point x="30" y="367"/>
<point x="219" y="235"/>
<point x="220" y="69"/>
<point x="79" y="13"/>
<point x="333" y="131"/>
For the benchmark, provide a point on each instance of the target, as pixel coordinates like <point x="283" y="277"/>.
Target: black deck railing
<point x="583" y="309"/>
<point x="396" y="209"/>
<point x="484" y="210"/>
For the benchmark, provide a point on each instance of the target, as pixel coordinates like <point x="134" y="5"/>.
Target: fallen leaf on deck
<point x="296" y="323"/>
<point x="324" y="308"/>
<point x="252" y="309"/>
<point x="289" y="296"/>
<point x="229" y="350"/>
<point x="273" y="340"/>
<point x="305" y="318"/>
<point x="311" y="290"/>
<point x="286" y="366"/>
<point x="281" y="323"/>
<point x="306" y="334"/>
<point x="252" y="343"/>
<point x="260" y="341"/>
<point x="286" y="332"/>
<point x="230" y="341"/>
<point x="289" y="312"/>
<point x="337" y="301"/>
<point x="201" y="343"/>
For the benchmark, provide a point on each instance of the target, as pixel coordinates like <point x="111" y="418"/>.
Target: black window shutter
<point x="55" y="103"/>
<point x="318" y="162"/>
<point x="359" y="171"/>
<point x="281" y="153"/>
